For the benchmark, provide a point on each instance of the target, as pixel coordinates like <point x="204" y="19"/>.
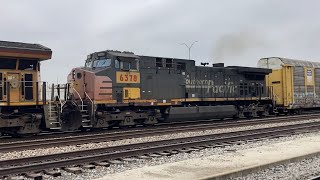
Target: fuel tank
<point x="200" y="112"/>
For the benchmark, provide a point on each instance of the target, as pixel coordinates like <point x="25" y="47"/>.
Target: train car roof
<point x="123" y="54"/>
<point x="173" y="58"/>
<point x="243" y="69"/>
<point x="24" y="50"/>
<point x="278" y="62"/>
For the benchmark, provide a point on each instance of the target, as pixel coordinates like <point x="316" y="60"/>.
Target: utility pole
<point x="189" y="47"/>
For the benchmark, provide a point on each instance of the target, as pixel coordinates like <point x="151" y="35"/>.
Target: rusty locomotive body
<point x="122" y="89"/>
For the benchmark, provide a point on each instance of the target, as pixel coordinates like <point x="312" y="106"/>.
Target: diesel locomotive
<point x="123" y="89"/>
<point x="22" y="93"/>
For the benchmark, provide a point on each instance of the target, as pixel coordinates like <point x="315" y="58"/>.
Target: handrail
<point x="60" y="103"/>
<point x="50" y="111"/>
<point x="79" y="97"/>
<point x="89" y="100"/>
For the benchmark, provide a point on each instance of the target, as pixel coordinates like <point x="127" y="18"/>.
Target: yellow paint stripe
<point x="21" y="103"/>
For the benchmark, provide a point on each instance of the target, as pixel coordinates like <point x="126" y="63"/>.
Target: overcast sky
<point x="231" y="31"/>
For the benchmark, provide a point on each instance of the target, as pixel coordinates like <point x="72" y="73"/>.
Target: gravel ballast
<point x="301" y="170"/>
<point x="46" y="151"/>
<point x="218" y="152"/>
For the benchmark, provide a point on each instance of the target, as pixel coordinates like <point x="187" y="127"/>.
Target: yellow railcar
<point x="294" y="84"/>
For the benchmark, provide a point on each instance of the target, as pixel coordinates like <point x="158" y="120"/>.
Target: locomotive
<point x="121" y="89"/>
<point x="22" y="93"/>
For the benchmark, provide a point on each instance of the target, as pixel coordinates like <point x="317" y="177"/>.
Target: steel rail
<point x="315" y="178"/>
<point x="38" y="163"/>
<point x="96" y="138"/>
<point x="57" y="134"/>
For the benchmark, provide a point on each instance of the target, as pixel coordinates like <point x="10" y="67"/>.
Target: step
<point x="56" y="128"/>
<point x="54" y="122"/>
<point x="85" y="115"/>
<point x="85" y="121"/>
<point x="53" y="117"/>
<point x="90" y="126"/>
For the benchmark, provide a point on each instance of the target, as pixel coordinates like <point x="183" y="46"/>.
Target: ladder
<point x="53" y="116"/>
<point x="86" y="120"/>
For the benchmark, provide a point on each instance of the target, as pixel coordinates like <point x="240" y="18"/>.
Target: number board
<point x="128" y="77"/>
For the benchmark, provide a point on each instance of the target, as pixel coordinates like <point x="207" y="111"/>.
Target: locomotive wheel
<point x="127" y="122"/>
<point x="150" y="121"/>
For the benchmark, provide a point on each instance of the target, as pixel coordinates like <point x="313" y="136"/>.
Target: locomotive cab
<point x="20" y="73"/>
<point x="19" y="78"/>
<point x="108" y="76"/>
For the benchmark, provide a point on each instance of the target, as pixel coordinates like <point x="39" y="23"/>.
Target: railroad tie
<point x="155" y="155"/>
<point x="53" y="173"/>
<point x="88" y="166"/>
<point x="17" y="178"/>
<point x="35" y="176"/>
<point x="105" y="164"/>
<point x="115" y="162"/>
<point x="74" y="170"/>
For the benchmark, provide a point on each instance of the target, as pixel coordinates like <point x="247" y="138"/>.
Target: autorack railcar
<point x="295" y="84"/>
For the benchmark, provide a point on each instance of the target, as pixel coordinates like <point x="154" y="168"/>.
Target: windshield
<point x="102" y="63"/>
<point x="88" y="63"/>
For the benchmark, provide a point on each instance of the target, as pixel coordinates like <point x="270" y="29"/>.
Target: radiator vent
<point x="28" y="87"/>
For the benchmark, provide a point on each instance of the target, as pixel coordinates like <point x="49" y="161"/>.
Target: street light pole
<point x="189" y="47"/>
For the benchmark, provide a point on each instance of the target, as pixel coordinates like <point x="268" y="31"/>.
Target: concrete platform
<point x="217" y="166"/>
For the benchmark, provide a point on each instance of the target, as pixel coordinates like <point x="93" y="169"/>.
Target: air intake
<point x="218" y="65"/>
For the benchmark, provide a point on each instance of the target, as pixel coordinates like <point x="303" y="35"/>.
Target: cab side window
<point x="27" y="64"/>
<point x="116" y="64"/>
<point x="6" y="63"/>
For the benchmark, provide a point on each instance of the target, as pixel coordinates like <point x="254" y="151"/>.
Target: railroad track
<point x="315" y="178"/>
<point x="50" y="134"/>
<point x="105" y="156"/>
<point x="105" y="137"/>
